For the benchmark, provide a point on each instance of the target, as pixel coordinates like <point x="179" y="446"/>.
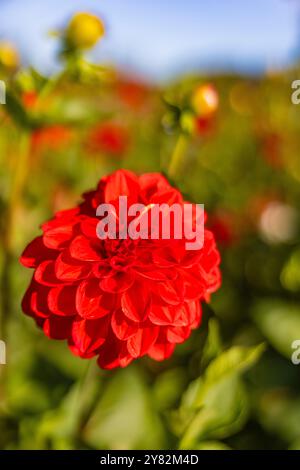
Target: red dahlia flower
<point x="118" y="299"/>
<point x="51" y="138"/>
<point x="29" y="99"/>
<point x="108" y="137"/>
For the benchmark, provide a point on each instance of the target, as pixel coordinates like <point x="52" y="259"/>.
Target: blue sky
<point x="161" y="37"/>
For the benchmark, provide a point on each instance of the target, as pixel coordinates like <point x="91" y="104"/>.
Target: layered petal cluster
<point x="118" y="299"/>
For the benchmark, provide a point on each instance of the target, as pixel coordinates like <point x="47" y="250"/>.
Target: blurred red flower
<point x="223" y="224"/>
<point x="205" y="126"/>
<point x="132" y="93"/>
<point x="108" y="137"/>
<point x="29" y="99"/>
<point x="53" y="137"/>
<point x="118" y="299"/>
<point x="271" y="144"/>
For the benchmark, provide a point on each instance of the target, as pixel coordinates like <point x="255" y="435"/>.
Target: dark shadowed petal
<point x="114" y="353"/>
<point x="57" y="327"/>
<point x="35" y="253"/>
<point x="61" y="300"/>
<point x="35" y="301"/>
<point x="45" y="274"/>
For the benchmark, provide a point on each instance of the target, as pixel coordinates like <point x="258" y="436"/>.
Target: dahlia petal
<point x="177" y="250"/>
<point x="135" y="302"/>
<point x="178" y="334"/>
<point x="68" y="269"/>
<point x="117" y="283"/>
<point x="39" y="302"/>
<point x="192" y="285"/>
<point x="211" y="259"/>
<point x="64" y="217"/>
<point x="45" y="274"/>
<point x="91" y="302"/>
<point x="84" y="250"/>
<point x="114" y="353"/>
<point x="34" y="301"/>
<point x="77" y="352"/>
<point x="122" y="183"/>
<point x="215" y="280"/>
<point x="195" y="314"/>
<point x="61" y="300"/>
<point x="163" y="257"/>
<point x="191" y="258"/>
<point x="142" y="340"/>
<point x="26" y="301"/>
<point x="89" y="335"/>
<point x="57" y="238"/>
<point x="67" y="214"/>
<point x="89" y="227"/>
<point x="161" y="351"/>
<point x="150" y="183"/>
<point x="167" y="196"/>
<point x="182" y="316"/>
<point x="160" y="314"/>
<point x="56" y="327"/>
<point x="156" y="274"/>
<point x="170" y="292"/>
<point x="122" y="326"/>
<point x="35" y="253"/>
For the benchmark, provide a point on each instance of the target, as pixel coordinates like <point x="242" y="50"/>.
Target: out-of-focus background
<point x="213" y="81"/>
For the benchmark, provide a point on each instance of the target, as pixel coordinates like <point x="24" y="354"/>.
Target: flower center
<point x="121" y="254"/>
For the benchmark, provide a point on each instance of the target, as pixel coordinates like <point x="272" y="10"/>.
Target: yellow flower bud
<point x="84" y="30"/>
<point x="9" y="57"/>
<point x="205" y="100"/>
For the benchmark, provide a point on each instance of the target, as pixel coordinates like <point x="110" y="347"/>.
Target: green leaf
<point x="212" y="445"/>
<point x="224" y="413"/>
<point x="16" y="111"/>
<point x="213" y="345"/>
<point x="279" y="322"/>
<point x="279" y="413"/>
<point x="216" y="405"/>
<point x="290" y="275"/>
<point x="234" y="360"/>
<point x="126" y="417"/>
<point x="168" y="388"/>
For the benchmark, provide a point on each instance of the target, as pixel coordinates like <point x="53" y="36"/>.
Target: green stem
<point x="88" y="392"/>
<point x="175" y="165"/>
